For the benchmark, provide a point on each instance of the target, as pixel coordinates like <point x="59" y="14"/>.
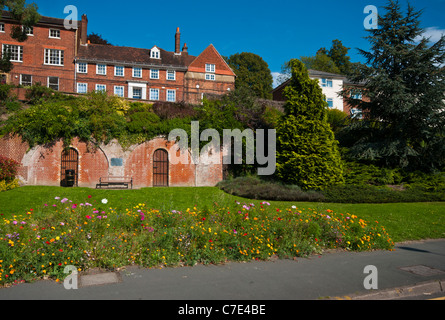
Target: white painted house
<point x="331" y="85"/>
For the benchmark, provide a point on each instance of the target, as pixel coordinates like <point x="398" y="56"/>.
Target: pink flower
<point x="88" y="217"/>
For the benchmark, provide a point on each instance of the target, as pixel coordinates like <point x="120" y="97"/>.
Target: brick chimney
<point x="178" y="41"/>
<point x="83" y="29"/>
<point x="185" y="48"/>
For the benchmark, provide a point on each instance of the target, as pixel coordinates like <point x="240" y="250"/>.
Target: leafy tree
<point x="339" y="55"/>
<point x="320" y="62"/>
<point x="97" y="39"/>
<point x="252" y="72"/>
<point x="404" y="80"/>
<point x="307" y="152"/>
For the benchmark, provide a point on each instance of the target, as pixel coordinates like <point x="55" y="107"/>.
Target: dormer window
<point x="155" y="53"/>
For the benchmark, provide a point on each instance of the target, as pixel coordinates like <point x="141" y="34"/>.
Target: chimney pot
<point x="177" y="41"/>
<point x="83" y="29"/>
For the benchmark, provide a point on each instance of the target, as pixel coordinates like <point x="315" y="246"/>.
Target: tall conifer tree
<point x="403" y="77"/>
<point x="307" y="153"/>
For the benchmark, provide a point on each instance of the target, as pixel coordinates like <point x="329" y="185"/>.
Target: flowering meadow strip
<point x="41" y="242"/>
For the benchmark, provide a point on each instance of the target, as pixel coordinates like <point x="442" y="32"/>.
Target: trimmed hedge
<point x="255" y="188"/>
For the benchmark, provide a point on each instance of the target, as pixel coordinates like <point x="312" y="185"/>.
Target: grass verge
<point x="43" y="229"/>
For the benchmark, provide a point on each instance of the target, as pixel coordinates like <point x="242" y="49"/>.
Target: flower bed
<point x="41" y="242"/>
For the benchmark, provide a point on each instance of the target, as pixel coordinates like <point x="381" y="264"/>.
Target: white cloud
<point x="275" y="76"/>
<point x="278" y="78"/>
<point x="433" y="33"/>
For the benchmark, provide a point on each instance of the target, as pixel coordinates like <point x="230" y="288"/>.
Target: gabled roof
<point x="212" y="56"/>
<point x="132" y="56"/>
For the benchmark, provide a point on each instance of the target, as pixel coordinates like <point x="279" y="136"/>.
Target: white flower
<point x="294" y="207"/>
<point x="104" y="201"/>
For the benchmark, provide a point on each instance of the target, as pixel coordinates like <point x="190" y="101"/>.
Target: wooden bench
<point x="116" y="182"/>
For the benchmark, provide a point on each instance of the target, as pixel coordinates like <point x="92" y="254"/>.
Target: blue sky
<point x="276" y="30"/>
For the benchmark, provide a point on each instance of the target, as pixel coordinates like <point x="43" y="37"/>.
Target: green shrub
<point x="379" y="194"/>
<point x="38" y="93"/>
<point x="307" y="152"/>
<point x="143" y="122"/>
<point x="4" y="91"/>
<point x="337" y="119"/>
<point x="255" y="188"/>
<point x="5" y="185"/>
<point x="359" y="173"/>
<point x="139" y="107"/>
<point x="8" y="169"/>
<point x="13" y="106"/>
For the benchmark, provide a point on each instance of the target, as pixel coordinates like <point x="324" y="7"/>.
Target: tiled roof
<point x="316" y="73"/>
<point x="43" y="20"/>
<point x="132" y="56"/>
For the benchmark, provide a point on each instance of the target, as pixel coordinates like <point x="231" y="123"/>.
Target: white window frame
<point x="171" y="75"/>
<point x="104" y="89"/>
<point x="154" y="73"/>
<point x="137" y="89"/>
<point x="330" y="101"/>
<point x="21" y="79"/>
<point x="357" y="95"/>
<point x="210" y="76"/>
<point x="134" y="72"/>
<point x="57" y="32"/>
<point x="48" y="56"/>
<point x="2" y="27"/>
<point x="153" y="92"/>
<point x="99" y="68"/>
<point x="210" y="68"/>
<point x="19" y="52"/>
<point x="115" y="71"/>
<point x="29" y="30"/>
<point x="58" y="83"/>
<point x="117" y="93"/>
<point x="326" y="83"/>
<point x="82" y="85"/>
<point x="168" y="93"/>
<point x="79" y="70"/>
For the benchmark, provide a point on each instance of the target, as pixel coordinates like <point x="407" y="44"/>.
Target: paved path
<point x="337" y="275"/>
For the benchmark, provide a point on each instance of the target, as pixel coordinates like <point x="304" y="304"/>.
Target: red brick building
<point x="46" y="56"/>
<point x="64" y="60"/>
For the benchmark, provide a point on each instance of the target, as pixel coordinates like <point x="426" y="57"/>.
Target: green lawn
<point x="403" y="221"/>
